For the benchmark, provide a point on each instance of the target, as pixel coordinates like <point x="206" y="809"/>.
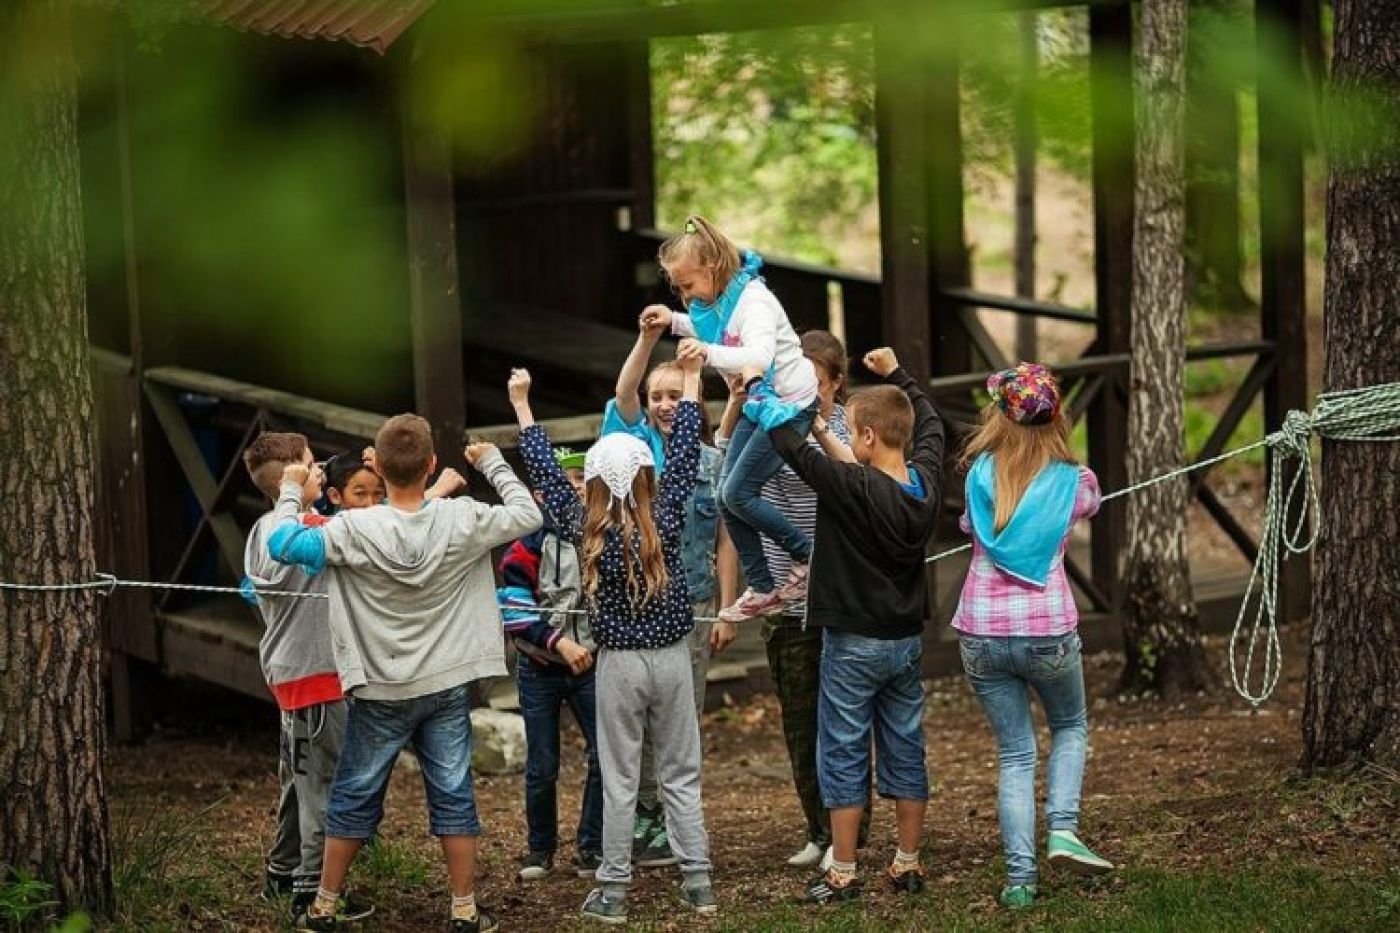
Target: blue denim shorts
<point x="440" y="727"/>
<point x="870" y="685"/>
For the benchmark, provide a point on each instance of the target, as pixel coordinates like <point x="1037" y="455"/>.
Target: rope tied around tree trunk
<point x="1370" y="414"/>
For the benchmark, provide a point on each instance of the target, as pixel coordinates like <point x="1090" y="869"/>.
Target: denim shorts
<point x="870" y="685"/>
<point x="440" y="727"/>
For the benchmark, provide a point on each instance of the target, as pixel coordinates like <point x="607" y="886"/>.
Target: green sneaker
<point x="1017" y="896"/>
<point x="1065" y="849"/>
<point x="644" y="826"/>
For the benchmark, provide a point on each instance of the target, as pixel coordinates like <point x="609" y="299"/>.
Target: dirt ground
<point x="1161" y="781"/>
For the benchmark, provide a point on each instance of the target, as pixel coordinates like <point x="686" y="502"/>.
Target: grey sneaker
<point x="599" y="906"/>
<point x="701" y="899"/>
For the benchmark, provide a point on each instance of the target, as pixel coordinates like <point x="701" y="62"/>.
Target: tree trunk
<point x="53" y="803"/>
<point x="1352" y="709"/>
<point x="1213" y="250"/>
<point x="1160" y="626"/>
<point x="1023" y="125"/>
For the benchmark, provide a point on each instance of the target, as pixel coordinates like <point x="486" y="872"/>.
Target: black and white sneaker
<point x="535" y="865"/>
<point x="485" y="922"/>
<point x="907" y="882"/>
<point x="822" y="890"/>
<point x="586" y="863"/>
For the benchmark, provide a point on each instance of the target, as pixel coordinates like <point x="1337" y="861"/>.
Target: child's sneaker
<point x="909" y="881"/>
<point x="824" y="889"/>
<point x="750" y="606"/>
<point x="586" y="863"/>
<point x="811" y="854"/>
<point x="700" y="898"/>
<point x="485" y="922"/>
<point x="795" y="587"/>
<point x="348" y="909"/>
<point x="1017" y="896"/>
<point x="1065" y="849"/>
<point x="276" y="886"/>
<point x="657" y="853"/>
<point x="644" y="826"/>
<point x="599" y="906"/>
<point x="535" y="865"/>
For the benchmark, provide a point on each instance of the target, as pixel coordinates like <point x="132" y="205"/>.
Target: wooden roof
<point x="373" y="24"/>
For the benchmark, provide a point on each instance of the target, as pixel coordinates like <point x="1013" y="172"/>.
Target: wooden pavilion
<point x="177" y="403"/>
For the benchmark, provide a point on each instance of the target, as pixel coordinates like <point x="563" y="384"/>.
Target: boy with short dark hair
<point x="414" y="617"/>
<point x="875" y="515"/>
<point x="296" y="658"/>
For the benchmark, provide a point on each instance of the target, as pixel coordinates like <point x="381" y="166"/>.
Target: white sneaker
<point x="750" y="606"/>
<point x="808" y="857"/>
<point x="827" y="858"/>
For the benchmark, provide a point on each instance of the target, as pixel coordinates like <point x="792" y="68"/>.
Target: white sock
<point x="464" y="908"/>
<point x="324" y="905"/>
<point x="904" y="861"/>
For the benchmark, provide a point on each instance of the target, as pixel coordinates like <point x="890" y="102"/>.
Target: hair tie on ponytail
<point x="690" y="226"/>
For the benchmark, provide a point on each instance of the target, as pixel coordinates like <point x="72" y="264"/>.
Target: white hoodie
<point x="757" y="336"/>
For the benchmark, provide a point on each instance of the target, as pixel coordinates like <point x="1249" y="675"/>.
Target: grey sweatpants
<point x="699" y="641"/>
<point x="640" y="692"/>
<point x="310" y="749"/>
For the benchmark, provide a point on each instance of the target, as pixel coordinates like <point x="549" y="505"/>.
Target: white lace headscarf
<point x="615" y="459"/>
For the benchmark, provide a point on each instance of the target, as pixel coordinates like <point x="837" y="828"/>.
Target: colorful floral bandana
<point x="1027" y="395"/>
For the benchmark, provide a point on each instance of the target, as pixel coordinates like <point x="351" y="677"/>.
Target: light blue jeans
<point x="1002" y="672"/>
<point x="749" y="462"/>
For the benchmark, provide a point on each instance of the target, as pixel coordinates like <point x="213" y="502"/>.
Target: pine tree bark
<point x="1351" y="710"/>
<point x="1160" y="626"/>
<point x="1024" y="143"/>
<point x="53" y="805"/>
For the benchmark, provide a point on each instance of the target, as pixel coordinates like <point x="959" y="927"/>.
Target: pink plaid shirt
<point x="997" y="604"/>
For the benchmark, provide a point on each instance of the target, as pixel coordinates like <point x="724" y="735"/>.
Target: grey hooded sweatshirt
<point x="412" y="595"/>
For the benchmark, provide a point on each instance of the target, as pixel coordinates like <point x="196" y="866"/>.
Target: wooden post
<point x="435" y="310"/>
<point x="1282" y="305"/>
<point x="1023" y="128"/>
<point x="131" y="631"/>
<point x="901" y="117"/>
<point x="640" y="144"/>
<point x="948" y="259"/>
<point x="1111" y="81"/>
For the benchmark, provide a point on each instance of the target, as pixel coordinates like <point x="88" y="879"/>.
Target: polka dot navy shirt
<point x="618" y="624"/>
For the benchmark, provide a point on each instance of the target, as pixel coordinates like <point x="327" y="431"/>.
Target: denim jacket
<point x="701" y="526"/>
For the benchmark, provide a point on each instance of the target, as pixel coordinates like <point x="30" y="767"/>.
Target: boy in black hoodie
<point x="875" y="515"/>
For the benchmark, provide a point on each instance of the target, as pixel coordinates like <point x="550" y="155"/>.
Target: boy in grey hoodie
<point x="413" y="620"/>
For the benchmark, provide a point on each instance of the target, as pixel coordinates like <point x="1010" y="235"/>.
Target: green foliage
<point x="23" y="898"/>
<point x="391" y="866"/>
<point x="160" y="863"/>
<point x="776" y="128"/>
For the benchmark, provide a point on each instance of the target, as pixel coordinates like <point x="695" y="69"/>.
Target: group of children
<point x="611" y="558"/>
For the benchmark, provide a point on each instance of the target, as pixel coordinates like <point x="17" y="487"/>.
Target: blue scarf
<point x="710" y="320"/>
<point x="1029" y="543"/>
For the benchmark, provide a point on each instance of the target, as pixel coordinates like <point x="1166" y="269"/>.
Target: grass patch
<point x="387" y="866"/>
<point x="163" y="875"/>
<point x="1262" y="897"/>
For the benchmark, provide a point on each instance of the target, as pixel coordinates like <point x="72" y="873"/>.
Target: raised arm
<point x="683" y="448"/>
<point x="292" y="542"/>
<point x="517" y="515"/>
<point x="560" y="500"/>
<point x="650" y="327"/>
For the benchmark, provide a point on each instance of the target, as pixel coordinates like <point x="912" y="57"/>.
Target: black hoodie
<point x="867" y="571"/>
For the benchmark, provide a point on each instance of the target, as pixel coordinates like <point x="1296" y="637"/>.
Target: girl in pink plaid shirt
<point x="1016" y="617"/>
